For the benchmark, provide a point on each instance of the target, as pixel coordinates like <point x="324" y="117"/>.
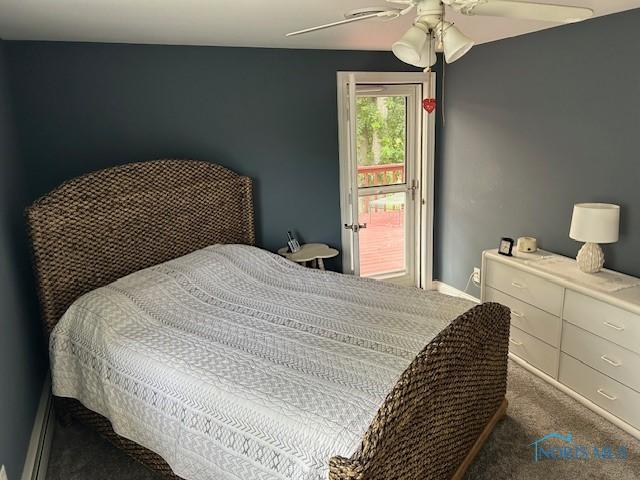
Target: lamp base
<point x="590" y="258"/>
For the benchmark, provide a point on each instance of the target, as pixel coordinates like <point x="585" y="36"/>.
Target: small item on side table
<point x="294" y="245"/>
<point x="594" y="223"/>
<point x="310" y="252"/>
<point x="506" y="246"/>
<point x="527" y="244"/>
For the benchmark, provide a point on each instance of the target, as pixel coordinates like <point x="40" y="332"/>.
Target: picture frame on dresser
<point x="580" y="334"/>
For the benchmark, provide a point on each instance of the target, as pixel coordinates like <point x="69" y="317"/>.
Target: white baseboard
<point x="452" y="291"/>
<point x="37" y="459"/>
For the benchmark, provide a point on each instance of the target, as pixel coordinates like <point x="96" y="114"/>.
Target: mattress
<point x="233" y="363"/>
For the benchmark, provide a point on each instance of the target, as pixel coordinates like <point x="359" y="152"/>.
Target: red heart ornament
<point x="429" y="104"/>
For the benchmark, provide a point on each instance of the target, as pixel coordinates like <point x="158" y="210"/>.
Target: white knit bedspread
<point x="234" y="363"/>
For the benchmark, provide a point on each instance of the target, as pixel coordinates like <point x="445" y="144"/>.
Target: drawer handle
<point x="615" y="327"/>
<point x="517" y="314"/>
<point x="518" y="285"/>
<point x="610" y="362"/>
<point x="515" y="342"/>
<point x="606" y="395"/>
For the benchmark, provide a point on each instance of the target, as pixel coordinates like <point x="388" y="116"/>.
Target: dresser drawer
<point x="524" y="286"/>
<point x="606" y="357"/>
<point x="613" y="323"/>
<point x="534" y="351"/>
<point x="528" y="318"/>
<point x="605" y="392"/>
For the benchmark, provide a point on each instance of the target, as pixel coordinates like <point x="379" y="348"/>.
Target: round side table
<point x="310" y="252"/>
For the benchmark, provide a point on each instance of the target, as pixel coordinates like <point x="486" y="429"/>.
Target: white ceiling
<point x="251" y="23"/>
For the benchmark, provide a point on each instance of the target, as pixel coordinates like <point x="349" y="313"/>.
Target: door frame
<point x="427" y="159"/>
<point x="413" y="164"/>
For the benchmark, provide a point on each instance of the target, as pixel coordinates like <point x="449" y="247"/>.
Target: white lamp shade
<point x="428" y="56"/>
<point x="595" y="222"/>
<point x="409" y="47"/>
<point x="455" y="43"/>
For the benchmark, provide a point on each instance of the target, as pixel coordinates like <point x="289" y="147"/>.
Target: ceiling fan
<point x="431" y="32"/>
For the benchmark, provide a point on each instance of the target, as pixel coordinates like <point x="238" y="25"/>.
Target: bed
<point x="205" y="357"/>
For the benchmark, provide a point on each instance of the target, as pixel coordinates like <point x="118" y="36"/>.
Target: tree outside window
<point x="381" y="130"/>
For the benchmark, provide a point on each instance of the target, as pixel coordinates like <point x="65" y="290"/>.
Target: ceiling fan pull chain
<point x="442" y="92"/>
<point x="429" y="102"/>
<point x="443" y="68"/>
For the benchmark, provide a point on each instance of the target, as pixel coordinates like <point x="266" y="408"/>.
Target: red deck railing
<point x="382" y="174"/>
<point x="382" y="242"/>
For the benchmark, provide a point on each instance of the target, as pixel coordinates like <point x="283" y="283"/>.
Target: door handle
<point x="515" y="342"/>
<point x="355" y="226"/>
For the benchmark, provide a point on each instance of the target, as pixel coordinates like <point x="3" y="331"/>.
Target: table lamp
<point x="594" y="223"/>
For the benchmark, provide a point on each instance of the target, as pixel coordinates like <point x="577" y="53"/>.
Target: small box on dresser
<point x="580" y="337"/>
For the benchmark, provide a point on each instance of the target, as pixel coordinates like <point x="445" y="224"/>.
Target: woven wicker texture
<point x="100" y="227"/>
<point x="439" y="406"/>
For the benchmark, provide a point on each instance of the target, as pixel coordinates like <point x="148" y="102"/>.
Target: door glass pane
<point x="381" y="136"/>
<point x="383" y="243"/>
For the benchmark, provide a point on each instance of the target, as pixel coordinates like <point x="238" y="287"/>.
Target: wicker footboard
<point x="441" y="405"/>
<point x="430" y="421"/>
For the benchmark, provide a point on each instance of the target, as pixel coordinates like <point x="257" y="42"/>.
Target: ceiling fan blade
<point x="386" y="13"/>
<point x="530" y="11"/>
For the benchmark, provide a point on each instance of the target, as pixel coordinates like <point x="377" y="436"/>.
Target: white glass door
<point x="384" y="137"/>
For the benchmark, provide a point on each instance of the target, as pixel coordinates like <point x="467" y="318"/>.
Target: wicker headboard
<point x="102" y="226"/>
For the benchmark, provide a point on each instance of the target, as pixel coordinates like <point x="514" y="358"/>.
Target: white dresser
<point x="578" y="336"/>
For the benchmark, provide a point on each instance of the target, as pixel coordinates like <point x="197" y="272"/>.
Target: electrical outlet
<point x="3" y="473"/>
<point x="476" y="275"/>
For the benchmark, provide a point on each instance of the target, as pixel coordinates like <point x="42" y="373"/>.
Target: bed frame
<point x="97" y="228"/>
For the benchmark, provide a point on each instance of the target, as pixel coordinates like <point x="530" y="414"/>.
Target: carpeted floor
<point x="535" y="409"/>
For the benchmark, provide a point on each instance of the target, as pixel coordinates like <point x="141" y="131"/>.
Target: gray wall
<point x="535" y="124"/>
<point x="270" y="114"/>
<point x="21" y="359"/>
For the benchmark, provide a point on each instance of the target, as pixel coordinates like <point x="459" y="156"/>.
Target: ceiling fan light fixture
<point x="455" y="43"/>
<point x="409" y="47"/>
<point x="428" y="56"/>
